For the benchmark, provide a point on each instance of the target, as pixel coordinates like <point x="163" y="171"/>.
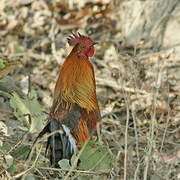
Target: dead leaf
<point x="9" y="66"/>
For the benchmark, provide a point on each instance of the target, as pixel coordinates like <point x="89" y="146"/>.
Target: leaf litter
<point x="34" y="33"/>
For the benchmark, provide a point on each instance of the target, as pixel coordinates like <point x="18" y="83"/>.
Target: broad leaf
<point x="28" y="109"/>
<point x="95" y="156"/>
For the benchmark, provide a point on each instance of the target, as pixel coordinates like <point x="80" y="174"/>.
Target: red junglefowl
<point x="75" y="109"/>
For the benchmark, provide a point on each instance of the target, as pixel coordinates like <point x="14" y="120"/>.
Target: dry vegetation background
<point x="137" y="68"/>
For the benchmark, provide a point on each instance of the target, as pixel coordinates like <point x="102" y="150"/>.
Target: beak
<point x="93" y="43"/>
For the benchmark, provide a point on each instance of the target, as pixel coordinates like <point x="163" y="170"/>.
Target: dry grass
<point x="137" y="88"/>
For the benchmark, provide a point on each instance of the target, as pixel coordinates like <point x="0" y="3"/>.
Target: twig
<point x="17" y="144"/>
<point x="137" y="145"/>
<point x="168" y="117"/>
<point x="7" y="173"/>
<point x="126" y="97"/>
<point x="74" y="170"/>
<point x="33" y="165"/>
<point x="37" y="141"/>
<point x="29" y="83"/>
<point x="75" y="161"/>
<point x="40" y="173"/>
<point x="136" y="171"/>
<point x="6" y="111"/>
<point x="113" y="84"/>
<point x="134" y="120"/>
<point x="126" y="136"/>
<point x="151" y="129"/>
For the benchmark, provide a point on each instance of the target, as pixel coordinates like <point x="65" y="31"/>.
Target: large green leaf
<point x="95" y="156"/>
<point x="26" y="107"/>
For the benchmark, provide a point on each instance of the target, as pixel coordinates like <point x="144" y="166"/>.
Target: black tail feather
<point x="40" y="135"/>
<point x="62" y="145"/>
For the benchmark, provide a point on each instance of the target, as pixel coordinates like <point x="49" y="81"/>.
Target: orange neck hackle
<point x="76" y="82"/>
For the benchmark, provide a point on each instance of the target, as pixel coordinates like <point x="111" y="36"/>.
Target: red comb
<point x="74" y="39"/>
